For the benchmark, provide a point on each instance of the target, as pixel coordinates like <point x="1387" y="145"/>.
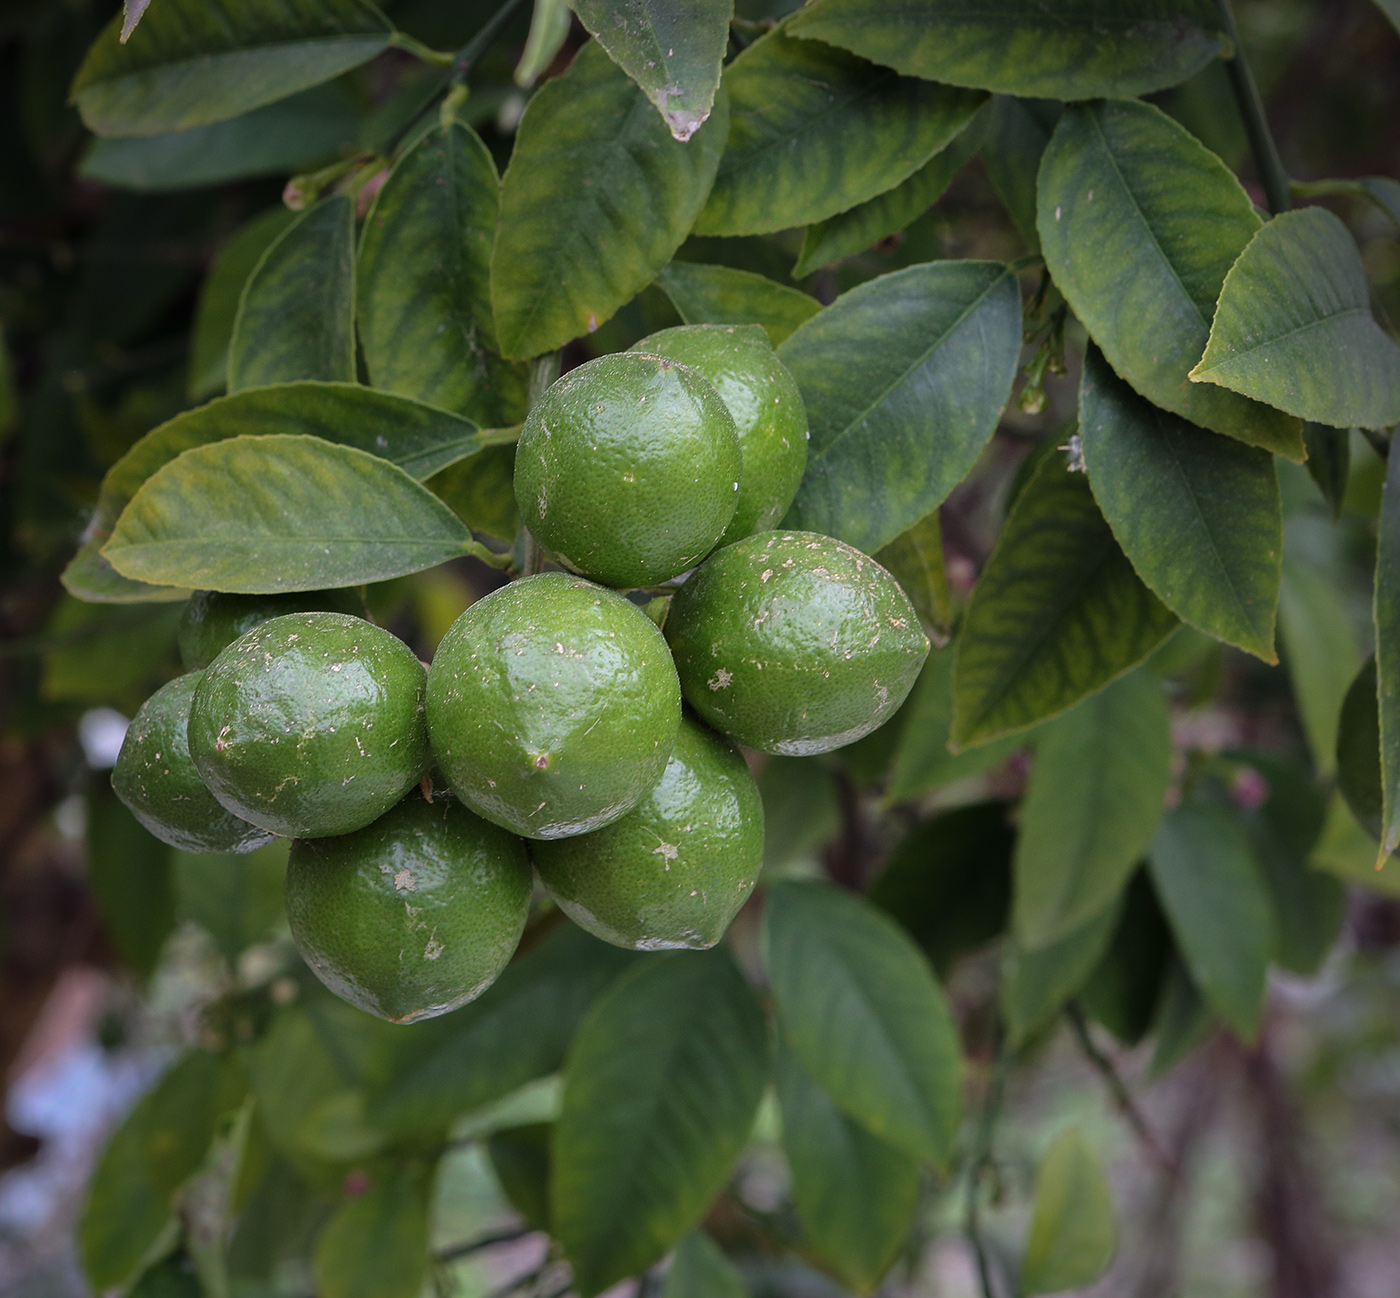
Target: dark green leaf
<point x="904" y="379"/>
<point x="915" y="559"/>
<point x="1013" y="141"/>
<point x="596" y="199"/>
<point x="1075" y="49"/>
<point x="376" y="1245"/>
<point x="172" y="1277"/>
<point x="1293" y="327"/>
<point x="260" y="515"/>
<point x="1329" y="463"/>
<point x="1057" y="613"/>
<point x="237" y="900"/>
<point x="296" y="317"/>
<point x="1387" y="620"/>
<point x="660" y="1091"/>
<point x="858" y="1004"/>
<point x="130" y="875"/>
<point x="701" y="1270"/>
<point x="801" y="811"/>
<point x="1182" y="1021"/>
<point x="1139" y="223"/>
<point x="1073" y="1231"/>
<point x="1037" y="985"/>
<point x="722" y="295"/>
<point x="1359" y="751"/>
<point x="520" y="1158"/>
<point x="192" y="62"/>
<point x="105" y="654"/>
<point x="1383" y="191"/>
<point x="1125" y="988"/>
<point x="1198" y="514"/>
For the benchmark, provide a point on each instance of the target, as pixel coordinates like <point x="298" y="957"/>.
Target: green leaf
<point x="192" y="62"/>
<point x="1073" y="1231"/>
<point x="1383" y="191"/>
<point x="550" y="21"/>
<point x="1348" y="851"/>
<point x="237" y="900"/>
<point x="1182" y="1020"/>
<point x="481" y="492"/>
<point x="296" y="317"/>
<point x="376" y="1245"/>
<point x="116" y="656"/>
<point x="660" y="1091"/>
<point x="1359" y="751"/>
<point x="672" y="49"/>
<point x="1037" y="985"/>
<point x="1386" y="612"/>
<point x="130" y="876"/>
<point x="1014" y="137"/>
<point x="258" y="515"/>
<point x="1329" y="463"/>
<point x="904" y="379"/>
<point x="520" y="1159"/>
<point x="700" y="1269"/>
<point x="722" y="295"/>
<point x="1075" y="49"/>
<point x="1057" y="613"/>
<point x="1198" y="514"/>
<point x="596" y="199"/>
<point x="1294" y="329"/>
<point x="1125" y="987"/>
<point x="815" y="131"/>
<point x="423" y="281"/>
<point x="915" y="560"/>
<point x="801" y="812"/>
<point x="858" y="1005"/>
<point x="1139" y="223"/>
<point x="1092" y="806"/>
<point x="1208" y="880"/>
<point x="856" y="1196"/>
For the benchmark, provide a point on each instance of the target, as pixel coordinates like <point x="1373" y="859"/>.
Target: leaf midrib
<point x="1237" y="355"/>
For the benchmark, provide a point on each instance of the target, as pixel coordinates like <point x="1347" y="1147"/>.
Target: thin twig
<point x="981" y="1158"/>
<point x="1277" y="190"/>
<point x="487" y="1241"/>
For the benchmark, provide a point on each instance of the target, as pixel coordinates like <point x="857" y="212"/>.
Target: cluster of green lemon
<point x="553" y="707"/>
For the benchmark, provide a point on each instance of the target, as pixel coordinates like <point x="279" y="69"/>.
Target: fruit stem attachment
<point x="1251" y="109"/>
<point x="477" y="46"/>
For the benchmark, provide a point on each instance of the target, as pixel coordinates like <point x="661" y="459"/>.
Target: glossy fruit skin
<point x="311" y="724"/>
<point x="553" y="705"/>
<point x="768" y="414"/>
<point x="674" y="872"/>
<point x="794" y="643"/>
<point x="414" y="914"/>
<point x="213" y="620"/>
<point x="156" y="778"/>
<point x="628" y="469"/>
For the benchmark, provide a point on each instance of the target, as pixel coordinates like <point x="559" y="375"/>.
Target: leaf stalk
<point x="1277" y="187"/>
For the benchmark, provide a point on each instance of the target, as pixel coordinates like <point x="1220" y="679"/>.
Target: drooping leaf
<point x="700" y="1269"/>
<point x="672" y="50"/>
<point x="858" y="1005"/>
<point x="1183" y="1018"/>
<point x="259" y="515"/>
<point x="1083" y="49"/>
<point x="1057" y="613"/>
<point x="915" y="560"/>
<point x="192" y="62"/>
<point x="1073" y="1230"/>
<point x="129" y="872"/>
<point x="520" y="1159"/>
<point x="722" y="295"/>
<point x="1014" y="137"/>
<point x="549" y="29"/>
<point x="904" y="379"/>
<point x="236" y="899"/>
<point x="1198" y="514"/>
<point x="1386" y="612"/>
<point x="814" y="131"/>
<point x="596" y="199"/>
<point x="660" y="1091"/>
<point x="1359" y="750"/>
<point x="1329" y="463"/>
<point x="376" y="1245"/>
<point x="1293" y="327"/>
<point x="1139" y="223"/>
<point x="1037" y="985"/>
<point x="1126" y="985"/>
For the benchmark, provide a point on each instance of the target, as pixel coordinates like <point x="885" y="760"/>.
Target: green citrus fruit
<point x="674" y="872"/>
<point x="311" y="724"/>
<point x="553" y="705"/>
<point x="157" y="780"/>
<point x="414" y="914"/>
<point x="767" y="408"/>
<point x="628" y="469"/>
<point x="794" y="643"/>
<point x="213" y="620"/>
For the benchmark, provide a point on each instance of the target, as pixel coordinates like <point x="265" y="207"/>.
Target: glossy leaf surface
<point x="722" y="295"/>
<point x="1073" y="1231"/>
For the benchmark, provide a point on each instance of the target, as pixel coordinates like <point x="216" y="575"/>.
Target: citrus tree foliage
<point x="362" y="357"/>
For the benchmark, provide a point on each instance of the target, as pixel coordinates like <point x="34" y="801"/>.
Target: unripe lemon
<point x="413" y="915"/>
<point x="674" y="872"/>
<point x="768" y="414"/>
<point x="157" y="780"/>
<point x="628" y="469"/>
<point x="553" y="705"/>
<point x="792" y="642"/>
<point x="213" y="620"/>
<point x="311" y="724"/>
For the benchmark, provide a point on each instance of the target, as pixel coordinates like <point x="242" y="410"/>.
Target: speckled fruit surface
<point x="157" y="780"/>
<point x="213" y="620"/>
<point x="553" y="705"/>
<point x="674" y="872"/>
<point x="628" y="469"/>
<point x="311" y="724"/>
<point x="768" y="414"/>
<point x="413" y="915"/>
<point x="794" y="643"/>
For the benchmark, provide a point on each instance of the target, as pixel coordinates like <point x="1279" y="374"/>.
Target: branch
<point x="476" y="1245"/>
<point x="1251" y="108"/>
<point x="981" y="1158"/>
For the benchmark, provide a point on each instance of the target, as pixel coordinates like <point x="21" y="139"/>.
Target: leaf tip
<point x="684" y="122"/>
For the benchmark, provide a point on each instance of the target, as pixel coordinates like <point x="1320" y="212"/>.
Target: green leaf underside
<point x="259" y="515"/>
<point x="90" y="577"/>
<point x="904" y="379"/>
<point x="1073" y="1233"/>
<point x="814" y="131"/>
<point x="672" y="49"/>
<point x="1139" y="224"/>
<point x="1092" y="805"/>
<point x="596" y="199"/>
<point x="661" y="1087"/>
<point x="859" y="1006"/>
<point x="721" y="295"/>
<point x="1057" y="613"/>
<point x="1294" y="328"/>
<point x="550" y="21"/>
<point x="700" y="1269"/>
<point x="296" y="316"/>
<point x="1037" y="985"/>
<point x="193" y="62"/>
<point x="376" y="1244"/>
<point x="1198" y="514"/>
<point x="1387" y="619"/>
<point x="1204" y="870"/>
<point x="1014" y="137"/>
<point x="855" y="1195"/>
<point x="1073" y="49"/>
